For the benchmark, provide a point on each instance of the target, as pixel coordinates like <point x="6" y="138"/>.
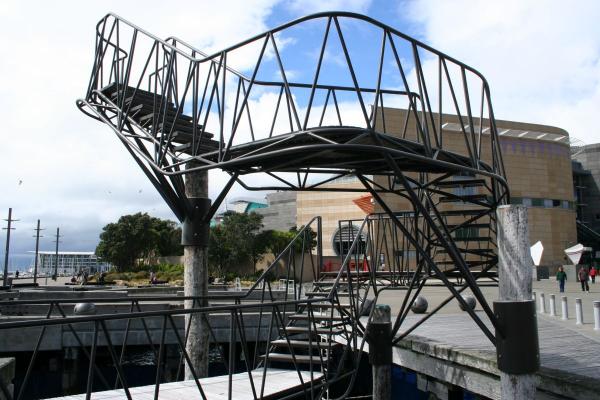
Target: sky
<point x="541" y="60"/>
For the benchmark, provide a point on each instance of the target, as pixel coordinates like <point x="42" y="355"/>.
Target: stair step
<point x="148" y="115"/>
<point x="461" y="183"/>
<point x="472" y="239"/>
<point x="469" y="263"/>
<point x="317" y="317"/>
<point x="318" y="331"/>
<point x="206" y="145"/>
<point x="478" y="226"/>
<point x="451" y="213"/>
<point x="147" y="101"/>
<point x="329" y="283"/>
<point x="325" y="294"/>
<point x="144" y="112"/>
<point x="141" y="96"/>
<point x="300" y="359"/>
<point x="471" y="197"/>
<point x="479" y="252"/>
<point x="330" y="305"/>
<point x="305" y="344"/>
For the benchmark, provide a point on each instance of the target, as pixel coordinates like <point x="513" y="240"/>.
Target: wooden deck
<point x="277" y="384"/>
<point x="451" y="348"/>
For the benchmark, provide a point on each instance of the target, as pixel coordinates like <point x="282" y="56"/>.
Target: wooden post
<point x="195" y="261"/>
<point x="380" y="352"/>
<point x="515" y="273"/>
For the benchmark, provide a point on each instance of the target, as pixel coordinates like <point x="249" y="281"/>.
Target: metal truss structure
<point x="178" y="110"/>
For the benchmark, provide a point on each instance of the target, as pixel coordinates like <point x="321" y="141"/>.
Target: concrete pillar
<point x="195" y="261"/>
<point x="579" y="312"/>
<point x="380" y="352"/>
<point x="552" y="305"/>
<point x="564" y="308"/>
<point x="515" y="273"/>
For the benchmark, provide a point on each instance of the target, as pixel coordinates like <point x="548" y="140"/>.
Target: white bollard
<point x="542" y="304"/>
<point x="597" y="315"/>
<point x="579" y="312"/>
<point x="565" y="308"/>
<point x="552" y="306"/>
<point x="533" y="296"/>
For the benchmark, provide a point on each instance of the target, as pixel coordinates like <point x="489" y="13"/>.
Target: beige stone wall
<point x="331" y="206"/>
<point x="535" y="168"/>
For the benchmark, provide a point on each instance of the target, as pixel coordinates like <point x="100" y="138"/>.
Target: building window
<point x="466" y="232"/>
<point x="343" y="239"/>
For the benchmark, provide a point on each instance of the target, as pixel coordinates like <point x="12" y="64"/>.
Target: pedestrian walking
<point x="583" y="276"/>
<point x="561" y="277"/>
<point x="593" y="273"/>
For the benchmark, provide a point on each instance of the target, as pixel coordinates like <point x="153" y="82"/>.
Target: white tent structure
<point x="536" y="252"/>
<point x="574" y="253"/>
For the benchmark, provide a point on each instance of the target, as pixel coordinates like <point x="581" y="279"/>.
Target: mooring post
<point x="194" y="238"/>
<point x="552" y="305"/>
<point x="596" y="315"/>
<point x="517" y="339"/>
<point x="379" y="333"/>
<point x="564" y="308"/>
<point x="578" y="312"/>
<point x="542" y="303"/>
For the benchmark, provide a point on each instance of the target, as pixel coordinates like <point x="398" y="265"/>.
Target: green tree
<point x="138" y="236"/>
<point x="242" y="231"/>
<point x="220" y="254"/>
<point x="237" y="240"/>
<point x="169" y="238"/>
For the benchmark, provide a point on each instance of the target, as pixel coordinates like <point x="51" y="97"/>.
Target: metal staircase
<point x="178" y="110"/>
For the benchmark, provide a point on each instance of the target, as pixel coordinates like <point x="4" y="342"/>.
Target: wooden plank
<point x="277" y="381"/>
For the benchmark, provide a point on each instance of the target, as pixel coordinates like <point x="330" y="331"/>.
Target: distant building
<point x="280" y="214"/>
<point x="70" y="262"/>
<point x="246" y="205"/>
<point x="586" y="179"/>
<point x="279" y="210"/>
<point x="537" y="160"/>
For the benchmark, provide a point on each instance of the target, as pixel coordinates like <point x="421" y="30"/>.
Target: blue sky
<point x="542" y="63"/>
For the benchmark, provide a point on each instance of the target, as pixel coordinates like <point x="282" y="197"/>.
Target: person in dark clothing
<point x="561" y="277"/>
<point x="583" y="278"/>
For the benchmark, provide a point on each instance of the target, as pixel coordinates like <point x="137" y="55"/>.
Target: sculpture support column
<point x="517" y="341"/>
<point x="195" y="240"/>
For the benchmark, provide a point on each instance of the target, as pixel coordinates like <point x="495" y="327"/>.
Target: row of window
<point x="546" y="203"/>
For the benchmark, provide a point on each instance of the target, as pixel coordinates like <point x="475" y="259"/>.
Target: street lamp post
<point x="37" y="250"/>
<point x="57" y="241"/>
<point x="7" y="229"/>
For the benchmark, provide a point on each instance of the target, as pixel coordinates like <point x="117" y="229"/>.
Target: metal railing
<point x="270" y="310"/>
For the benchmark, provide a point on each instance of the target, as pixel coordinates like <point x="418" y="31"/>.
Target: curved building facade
<point x="538" y="170"/>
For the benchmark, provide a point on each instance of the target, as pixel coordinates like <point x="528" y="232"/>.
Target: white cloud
<point x="540" y="59"/>
<point x="74" y="171"/>
<point x="313" y="6"/>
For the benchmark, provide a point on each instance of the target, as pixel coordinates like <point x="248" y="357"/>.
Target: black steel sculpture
<point x="178" y="110"/>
